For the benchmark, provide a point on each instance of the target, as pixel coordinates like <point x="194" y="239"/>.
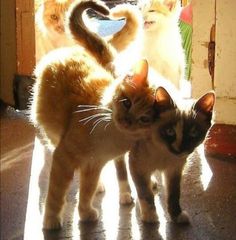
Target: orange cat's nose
<point x="127" y="122"/>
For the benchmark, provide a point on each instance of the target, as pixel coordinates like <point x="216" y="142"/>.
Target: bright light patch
<point x="33" y="222"/>
<point x="206" y="173"/>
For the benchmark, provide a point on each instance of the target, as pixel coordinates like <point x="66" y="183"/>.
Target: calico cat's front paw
<point x="126" y="198"/>
<point x="88" y="215"/>
<point x="52" y="222"/>
<point x="182" y="218"/>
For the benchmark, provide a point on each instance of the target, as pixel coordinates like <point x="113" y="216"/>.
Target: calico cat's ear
<point x="140" y="73"/>
<point x="205" y="103"/>
<point x="163" y="99"/>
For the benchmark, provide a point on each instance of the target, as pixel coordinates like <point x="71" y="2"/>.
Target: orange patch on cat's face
<point x="133" y="110"/>
<point x="54" y="15"/>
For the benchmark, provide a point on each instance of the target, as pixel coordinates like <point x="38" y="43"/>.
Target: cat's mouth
<point x="147" y="24"/>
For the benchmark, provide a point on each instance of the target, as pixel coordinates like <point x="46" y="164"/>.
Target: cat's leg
<point x="89" y="178"/>
<point x="124" y="187"/>
<point x="142" y="181"/>
<point x="173" y="182"/>
<point x="60" y="177"/>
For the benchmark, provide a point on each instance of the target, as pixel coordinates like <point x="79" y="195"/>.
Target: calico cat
<point x="87" y="115"/>
<point x="178" y="130"/>
<point x="50" y="26"/>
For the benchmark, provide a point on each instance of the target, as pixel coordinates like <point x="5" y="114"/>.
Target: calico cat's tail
<point x="97" y="46"/>
<point x="131" y="29"/>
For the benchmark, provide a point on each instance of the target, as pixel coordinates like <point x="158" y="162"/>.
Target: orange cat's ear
<point x="163" y="100"/>
<point x="205" y="103"/>
<point x="140" y="73"/>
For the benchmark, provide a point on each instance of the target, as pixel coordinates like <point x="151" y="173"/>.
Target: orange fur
<point x="50" y="26"/>
<point x="65" y="79"/>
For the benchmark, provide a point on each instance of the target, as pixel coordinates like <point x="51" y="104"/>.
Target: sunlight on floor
<point x="206" y="173"/>
<point x="117" y="222"/>
<point x="33" y="220"/>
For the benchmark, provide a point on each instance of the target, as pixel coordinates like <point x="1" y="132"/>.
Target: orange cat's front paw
<point x="126" y="198"/>
<point x="50" y="222"/>
<point x="88" y="215"/>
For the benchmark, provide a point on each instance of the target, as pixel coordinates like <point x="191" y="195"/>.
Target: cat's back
<point x="65" y="78"/>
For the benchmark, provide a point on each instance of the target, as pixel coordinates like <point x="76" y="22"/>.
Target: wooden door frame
<point x="17" y="46"/>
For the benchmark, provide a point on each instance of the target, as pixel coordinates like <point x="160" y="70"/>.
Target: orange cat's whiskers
<point x="97" y="115"/>
<point x="101" y="120"/>
<point x="92" y="107"/>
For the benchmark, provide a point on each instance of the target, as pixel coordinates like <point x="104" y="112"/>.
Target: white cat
<point x="162" y="43"/>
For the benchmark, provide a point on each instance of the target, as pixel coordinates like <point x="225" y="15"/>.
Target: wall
<point x="205" y="15"/>
<point x="8" y="50"/>
<point x="225" y="61"/>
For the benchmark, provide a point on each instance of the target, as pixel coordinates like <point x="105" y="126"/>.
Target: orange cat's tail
<point x="97" y="46"/>
<point x="131" y="29"/>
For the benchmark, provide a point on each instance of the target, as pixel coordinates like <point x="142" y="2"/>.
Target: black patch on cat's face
<point x="185" y="133"/>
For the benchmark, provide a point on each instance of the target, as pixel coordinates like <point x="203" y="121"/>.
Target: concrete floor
<point x="208" y="194"/>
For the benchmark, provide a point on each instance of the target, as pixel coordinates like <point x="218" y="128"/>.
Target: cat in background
<point x="159" y="38"/>
<point x="162" y="33"/>
<point x="179" y="129"/>
<point x="50" y="26"/>
<point x="87" y="115"/>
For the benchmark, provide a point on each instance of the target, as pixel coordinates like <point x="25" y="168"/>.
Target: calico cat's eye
<point x="54" y="17"/>
<point x="127" y="103"/>
<point x="151" y="11"/>
<point x="193" y="132"/>
<point x="170" y="132"/>
<point x="145" y="119"/>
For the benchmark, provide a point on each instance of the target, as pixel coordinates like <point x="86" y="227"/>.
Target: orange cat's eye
<point x="126" y="103"/>
<point x="54" y="17"/>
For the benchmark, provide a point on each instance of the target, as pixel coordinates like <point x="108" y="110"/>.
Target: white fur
<point x="162" y="43"/>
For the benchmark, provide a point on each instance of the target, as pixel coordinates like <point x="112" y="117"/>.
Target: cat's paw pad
<point x="182" y="218"/>
<point x="50" y="223"/>
<point x="126" y="198"/>
<point x="149" y="217"/>
<point x="89" y="215"/>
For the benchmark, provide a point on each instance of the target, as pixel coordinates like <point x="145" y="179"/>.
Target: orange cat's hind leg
<point x="60" y="178"/>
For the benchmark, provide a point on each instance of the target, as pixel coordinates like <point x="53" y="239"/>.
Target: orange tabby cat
<point x="88" y="116"/>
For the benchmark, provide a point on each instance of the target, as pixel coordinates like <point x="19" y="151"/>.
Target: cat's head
<point x="181" y="129"/>
<point x="133" y="100"/>
<point x="53" y="15"/>
<point x="159" y="14"/>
